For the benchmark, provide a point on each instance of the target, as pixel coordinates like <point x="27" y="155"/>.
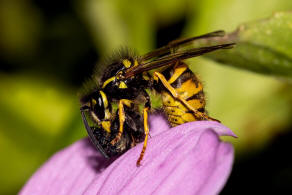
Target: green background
<point x="47" y="50"/>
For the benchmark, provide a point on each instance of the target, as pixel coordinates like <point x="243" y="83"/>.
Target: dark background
<point x="48" y="48"/>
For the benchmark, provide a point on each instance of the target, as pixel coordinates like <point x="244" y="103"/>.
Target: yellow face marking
<point x="127" y="63"/>
<point x="107" y="114"/>
<point x="94" y="117"/>
<point x="93" y="101"/>
<point x="106" y="125"/>
<point x="123" y="85"/>
<point x="177" y="72"/>
<point x="108" y="81"/>
<point x="104" y="99"/>
<point x="136" y="63"/>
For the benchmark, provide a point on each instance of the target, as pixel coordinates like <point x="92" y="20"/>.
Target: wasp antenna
<point x="228" y="45"/>
<point x="83" y="108"/>
<point x="218" y="33"/>
<point x="91" y="135"/>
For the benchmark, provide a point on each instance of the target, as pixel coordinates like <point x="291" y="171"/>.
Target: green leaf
<point x="264" y="46"/>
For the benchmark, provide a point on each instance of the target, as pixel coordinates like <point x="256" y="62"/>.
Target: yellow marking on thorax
<point x="104" y="99"/>
<point x="127" y="63"/>
<point x="155" y="77"/>
<point x="123" y="85"/>
<point x="108" y="81"/>
<point x="177" y="72"/>
<point x="106" y="125"/>
<point x="145" y="76"/>
<point x="136" y="63"/>
<point x="93" y="101"/>
<point x="107" y="114"/>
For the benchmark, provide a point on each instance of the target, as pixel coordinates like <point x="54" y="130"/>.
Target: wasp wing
<point x="179" y="42"/>
<point x="174" y="57"/>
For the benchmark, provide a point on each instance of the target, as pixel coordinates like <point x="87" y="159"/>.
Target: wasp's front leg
<point x="122" y="117"/>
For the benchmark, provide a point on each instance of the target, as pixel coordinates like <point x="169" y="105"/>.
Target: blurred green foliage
<point x="47" y="49"/>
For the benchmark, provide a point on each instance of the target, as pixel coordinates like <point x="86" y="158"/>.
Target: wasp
<point x="115" y="109"/>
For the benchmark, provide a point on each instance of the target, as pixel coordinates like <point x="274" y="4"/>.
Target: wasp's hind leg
<point x="212" y="119"/>
<point x="158" y="76"/>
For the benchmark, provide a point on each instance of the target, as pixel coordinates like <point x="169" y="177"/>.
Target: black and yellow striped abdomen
<point x="189" y="87"/>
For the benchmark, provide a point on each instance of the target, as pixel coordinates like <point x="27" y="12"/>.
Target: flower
<point x="187" y="159"/>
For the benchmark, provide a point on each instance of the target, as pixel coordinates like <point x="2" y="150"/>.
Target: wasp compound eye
<point x="97" y="106"/>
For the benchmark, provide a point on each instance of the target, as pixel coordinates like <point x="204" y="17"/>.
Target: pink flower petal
<point x="69" y="171"/>
<point x="189" y="159"/>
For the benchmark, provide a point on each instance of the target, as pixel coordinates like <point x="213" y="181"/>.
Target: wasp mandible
<point x="111" y="108"/>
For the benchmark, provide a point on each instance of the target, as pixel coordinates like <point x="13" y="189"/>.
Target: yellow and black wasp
<point x="111" y="109"/>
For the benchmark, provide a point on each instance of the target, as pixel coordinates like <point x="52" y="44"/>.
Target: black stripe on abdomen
<point x="197" y="96"/>
<point x="186" y="75"/>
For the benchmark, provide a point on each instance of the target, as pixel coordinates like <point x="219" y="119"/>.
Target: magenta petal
<point x="158" y="124"/>
<point x="69" y="171"/>
<point x="189" y="159"/>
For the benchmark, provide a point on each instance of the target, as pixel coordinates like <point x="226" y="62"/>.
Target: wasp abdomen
<point x="189" y="87"/>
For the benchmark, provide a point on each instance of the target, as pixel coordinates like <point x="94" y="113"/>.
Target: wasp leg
<point x="122" y="120"/>
<point x="147" y="107"/>
<point x="212" y="119"/>
<point x="173" y="92"/>
<point x="146" y="130"/>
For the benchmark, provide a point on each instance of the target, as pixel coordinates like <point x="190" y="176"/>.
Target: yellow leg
<point x="146" y="131"/>
<point x="213" y="119"/>
<point x="122" y="120"/>
<point x="173" y="92"/>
